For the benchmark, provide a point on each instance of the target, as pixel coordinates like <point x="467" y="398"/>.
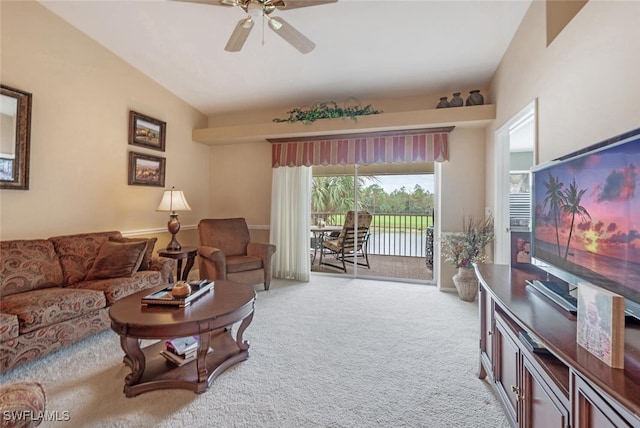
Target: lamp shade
<point x="173" y="200"/>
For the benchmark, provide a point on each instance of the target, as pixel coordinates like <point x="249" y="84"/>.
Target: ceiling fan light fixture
<point x="247" y="23"/>
<point x="264" y="8"/>
<point x="274" y="23"/>
<point x="255" y="9"/>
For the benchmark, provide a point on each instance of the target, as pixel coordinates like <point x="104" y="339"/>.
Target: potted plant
<point x="463" y="249"/>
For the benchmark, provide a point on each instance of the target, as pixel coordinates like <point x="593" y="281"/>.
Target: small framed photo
<point x="145" y="131"/>
<point x="146" y="170"/>
<point x="6" y="168"/>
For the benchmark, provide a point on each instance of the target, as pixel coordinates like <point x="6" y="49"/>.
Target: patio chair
<point x="351" y="244"/>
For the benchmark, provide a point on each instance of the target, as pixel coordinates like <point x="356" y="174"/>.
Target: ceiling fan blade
<point x="295" y="4"/>
<point x="239" y="35"/>
<point x="211" y="2"/>
<point x="290" y="34"/>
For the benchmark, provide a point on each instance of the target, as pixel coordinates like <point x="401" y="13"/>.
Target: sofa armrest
<point x="211" y="263"/>
<point x="164" y="265"/>
<point x="20" y="398"/>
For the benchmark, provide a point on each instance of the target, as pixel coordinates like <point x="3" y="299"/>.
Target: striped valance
<point x="361" y="149"/>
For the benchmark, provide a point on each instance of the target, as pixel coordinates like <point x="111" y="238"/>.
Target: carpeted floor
<point x="334" y="352"/>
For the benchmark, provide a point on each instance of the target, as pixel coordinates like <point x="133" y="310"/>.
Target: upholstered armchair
<point x="225" y="252"/>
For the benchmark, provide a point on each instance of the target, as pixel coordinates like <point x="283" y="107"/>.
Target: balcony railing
<point x="409" y="235"/>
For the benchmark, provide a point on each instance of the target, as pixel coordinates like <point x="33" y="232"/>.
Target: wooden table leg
<point x="134" y="358"/>
<point x="187" y="268"/>
<point x="203" y="349"/>
<point x="179" y="270"/>
<point x="243" y="344"/>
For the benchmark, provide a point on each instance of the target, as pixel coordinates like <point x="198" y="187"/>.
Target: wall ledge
<point x="470" y="117"/>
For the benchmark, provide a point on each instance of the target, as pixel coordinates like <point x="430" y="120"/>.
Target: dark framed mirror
<point x="15" y="134"/>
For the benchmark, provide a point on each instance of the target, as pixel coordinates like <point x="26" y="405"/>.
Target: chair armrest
<point x="260" y="249"/>
<point x="212" y="263"/>
<point x="211" y="253"/>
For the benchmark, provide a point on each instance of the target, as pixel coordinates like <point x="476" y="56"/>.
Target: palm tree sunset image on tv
<point x="564" y="202"/>
<point x="586" y="219"/>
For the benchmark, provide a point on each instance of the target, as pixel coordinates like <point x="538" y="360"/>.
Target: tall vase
<point x="466" y="283"/>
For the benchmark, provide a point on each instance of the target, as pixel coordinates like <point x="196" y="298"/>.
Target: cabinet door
<point x="542" y="409"/>
<point x="507" y="366"/>
<point x="486" y="333"/>
<point x="591" y="410"/>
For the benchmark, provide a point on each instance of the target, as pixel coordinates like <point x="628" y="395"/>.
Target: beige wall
<point x="586" y="80"/>
<point x="460" y="190"/>
<point x="82" y="95"/>
<point x="241" y="185"/>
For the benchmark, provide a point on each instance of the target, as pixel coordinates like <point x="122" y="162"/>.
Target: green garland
<point x="327" y="110"/>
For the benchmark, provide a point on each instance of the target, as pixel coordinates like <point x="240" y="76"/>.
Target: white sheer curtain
<point x="290" y="222"/>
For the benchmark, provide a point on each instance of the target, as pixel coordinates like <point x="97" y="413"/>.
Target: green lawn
<point x="390" y="221"/>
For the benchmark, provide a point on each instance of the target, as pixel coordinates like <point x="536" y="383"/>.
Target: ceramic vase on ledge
<point x="456" y="100"/>
<point x="475" y="98"/>
<point x="466" y="283"/>
<point x="443" y="103"/>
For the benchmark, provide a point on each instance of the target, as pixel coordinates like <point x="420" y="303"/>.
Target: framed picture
<point x="146" y="131"/>
<point x="146" y="170"/>
<point x="6" y="168"/>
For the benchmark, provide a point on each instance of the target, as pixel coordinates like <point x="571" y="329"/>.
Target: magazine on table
<point x="164" y="296"/>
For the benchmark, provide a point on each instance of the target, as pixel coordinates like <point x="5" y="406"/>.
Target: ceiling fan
<point x="264" y="8"/>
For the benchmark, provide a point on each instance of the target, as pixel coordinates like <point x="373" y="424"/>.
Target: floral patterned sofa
<point x="22" y="404"/>
<point x="57" y="291"/>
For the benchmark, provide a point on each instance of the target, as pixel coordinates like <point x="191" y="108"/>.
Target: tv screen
<point x="586" y="217"/>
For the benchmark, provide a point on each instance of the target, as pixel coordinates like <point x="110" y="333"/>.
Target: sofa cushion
<point x="148" y="254"/>
<point x="8" y="327"/>
<point x="117" y="260"/>
<point x="243" y="263"/>
<point x="78" y="252"/>
<point x="28" y="265"/>
<point x="116" y="288"/>
<point x="40" y="308"/>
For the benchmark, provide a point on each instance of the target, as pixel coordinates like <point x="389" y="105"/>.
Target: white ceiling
<point x="364" y="49"/>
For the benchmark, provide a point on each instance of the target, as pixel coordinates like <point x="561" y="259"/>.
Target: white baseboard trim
<point x="130" y="233"/>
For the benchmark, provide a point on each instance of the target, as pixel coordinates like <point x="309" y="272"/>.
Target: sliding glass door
<point x="399" y="241"/>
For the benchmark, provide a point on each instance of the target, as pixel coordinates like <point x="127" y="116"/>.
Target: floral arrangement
<point x="327" y="110"/>
<point x="465" y="248"/>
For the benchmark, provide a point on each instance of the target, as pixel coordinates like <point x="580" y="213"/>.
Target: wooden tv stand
<point x="569" y="387"/>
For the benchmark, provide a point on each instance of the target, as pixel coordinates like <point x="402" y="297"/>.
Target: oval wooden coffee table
<point x="211" y="317"/>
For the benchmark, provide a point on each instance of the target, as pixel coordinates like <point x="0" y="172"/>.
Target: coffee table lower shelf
<point x="159" y="373"/>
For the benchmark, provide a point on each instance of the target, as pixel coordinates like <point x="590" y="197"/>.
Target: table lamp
<point x="172" y="201"/>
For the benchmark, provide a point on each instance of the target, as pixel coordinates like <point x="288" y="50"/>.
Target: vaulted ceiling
<point x="364" y="49"/>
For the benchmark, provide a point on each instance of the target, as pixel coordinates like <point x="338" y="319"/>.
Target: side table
<point x="188" y="253"/>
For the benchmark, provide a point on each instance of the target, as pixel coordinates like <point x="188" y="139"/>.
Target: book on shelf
<point x="182" y="345"/>
<point x="177" y="359"/>
<point x="600" y="324"/>
<point x="164" y="296"/>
